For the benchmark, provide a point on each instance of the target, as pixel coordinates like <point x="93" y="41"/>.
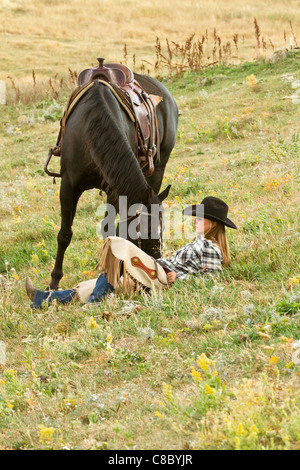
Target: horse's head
<point x="143" y="225"/>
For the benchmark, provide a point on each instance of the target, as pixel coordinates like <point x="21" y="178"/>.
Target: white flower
<point x="147" y="332"/>
<point x="248" y="309"/>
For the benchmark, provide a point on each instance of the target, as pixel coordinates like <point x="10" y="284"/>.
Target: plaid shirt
<point x="198" y="257"/>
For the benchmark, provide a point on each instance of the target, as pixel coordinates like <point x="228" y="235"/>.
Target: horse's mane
<point x="109" y="148"/>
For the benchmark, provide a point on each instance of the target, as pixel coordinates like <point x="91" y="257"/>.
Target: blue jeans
<point x="101" y="289"/>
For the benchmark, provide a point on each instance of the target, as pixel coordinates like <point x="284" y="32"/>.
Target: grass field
<point x="50" y="37"/>
<point x="212" y="363"/>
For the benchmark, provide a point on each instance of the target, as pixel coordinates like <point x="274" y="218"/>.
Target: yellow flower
<point x="237" y="441"/>
<point x="273" y="360"/>
<point x="10" y="406"/>
<point x="196" y="375"/>
<point x="2" y="382"/>
<point x="93" y="323"/>
<point x="209" y="390"/>
<point x="158" y="414"/>
<point x="45" y="434"/>
<point x="167" y="391"/>
<point x="294" y="280"/>
<point x="251" y="80"/>
<point x="289" y="365"/>
<point x="241" y="430"/>
<point x="284" y="339"/>
<point x="253" y="430"/>
<point x="203" y="362"/>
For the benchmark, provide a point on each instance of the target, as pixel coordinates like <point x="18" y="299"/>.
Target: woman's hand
<point x="171" y="276"/>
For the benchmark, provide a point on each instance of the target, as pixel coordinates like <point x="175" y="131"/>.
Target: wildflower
<point x="240" y="430"/>
<point x="249" y="309"/>
<point x="45" y="433"/>
<point x="253" y="430"/>
<point x="108" y="345"/>
<point x="93" y="323"/>
<point x="209" y="390"/>
<point x="237" y="441"/>
<point x="124" y="397"/>
<point x="289" y="365"/>
<point x="196" y="375"/>
<point x="14" y="275"/>
<point x="167" y="391"/>
<point x="284" y="339"/>
<point x="273" y="360"/>
<point x="203" y="362"/>
<point x="158" y="414"/>
<point x="251" y="80"/>
<point x="294" y="280"/>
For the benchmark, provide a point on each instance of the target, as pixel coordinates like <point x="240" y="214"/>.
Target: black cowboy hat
<point x="214" y="209"/>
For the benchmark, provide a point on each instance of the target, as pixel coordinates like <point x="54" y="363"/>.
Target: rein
<point x="139" y="214"/>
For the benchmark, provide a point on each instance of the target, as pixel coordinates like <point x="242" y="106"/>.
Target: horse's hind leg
<point x="68" y="200"/>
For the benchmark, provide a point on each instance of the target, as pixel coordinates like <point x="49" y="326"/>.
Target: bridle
<point x="139" y="214"/>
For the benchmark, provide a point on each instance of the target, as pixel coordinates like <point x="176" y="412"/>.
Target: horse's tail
<point x="110" y="150"/>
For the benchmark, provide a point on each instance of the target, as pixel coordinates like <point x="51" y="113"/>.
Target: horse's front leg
<point x="108" y="224"/>
<point x="68" y="201"/>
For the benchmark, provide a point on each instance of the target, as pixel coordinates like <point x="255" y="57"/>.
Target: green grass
<point x="208" y="364"/>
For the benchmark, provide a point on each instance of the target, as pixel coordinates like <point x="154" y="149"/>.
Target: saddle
<point x="140" y="106"/>
<point x="117" y="74"/>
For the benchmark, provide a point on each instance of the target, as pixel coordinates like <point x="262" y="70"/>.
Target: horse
<point x="99" y="151"/>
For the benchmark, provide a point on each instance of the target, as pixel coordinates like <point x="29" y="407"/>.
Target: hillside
<point x="209" y="364"/>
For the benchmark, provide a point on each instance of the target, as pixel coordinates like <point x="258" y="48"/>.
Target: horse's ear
<point x="164" y="194"/>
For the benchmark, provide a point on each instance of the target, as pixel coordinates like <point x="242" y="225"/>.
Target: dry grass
<point x="50" y="36"/>
<point x="41" y="60"/>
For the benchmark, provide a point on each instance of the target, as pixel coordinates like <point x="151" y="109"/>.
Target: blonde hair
<point x="217" y="234"/>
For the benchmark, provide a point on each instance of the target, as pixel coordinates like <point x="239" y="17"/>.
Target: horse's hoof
<point x="54" y="287"/>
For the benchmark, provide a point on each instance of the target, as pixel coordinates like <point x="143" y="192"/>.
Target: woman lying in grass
<point x="206" y="254"/>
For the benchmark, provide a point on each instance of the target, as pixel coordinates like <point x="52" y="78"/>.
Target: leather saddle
<point x="117" y="74"/>
<point x="142" y="106"/>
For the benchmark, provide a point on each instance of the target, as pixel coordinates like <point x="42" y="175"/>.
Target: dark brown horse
<point x="99" y="151"/>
